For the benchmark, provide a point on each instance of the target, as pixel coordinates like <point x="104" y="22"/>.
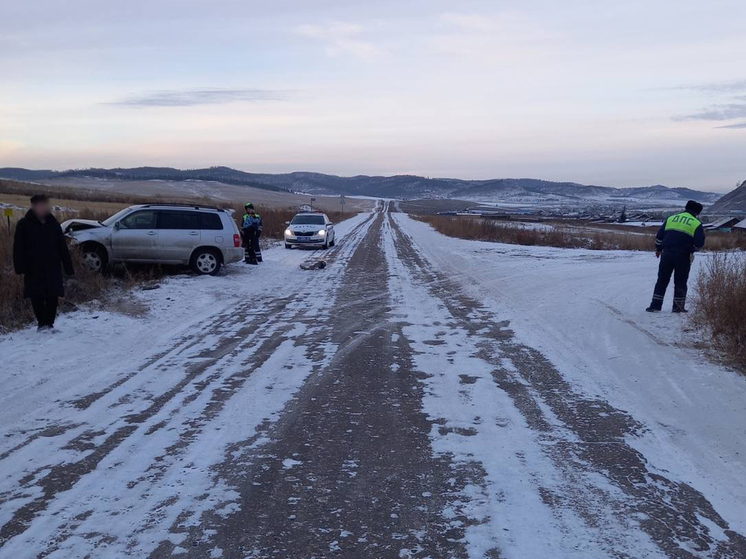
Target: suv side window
<point x="145" y="219"/>
<point x="175" y="219"/>
<point x="211" y="221"/>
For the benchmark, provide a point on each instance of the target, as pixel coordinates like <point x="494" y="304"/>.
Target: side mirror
<point x="287" y="223"/>
<point x="117" y="226"/>
<point x="330" y="224"/>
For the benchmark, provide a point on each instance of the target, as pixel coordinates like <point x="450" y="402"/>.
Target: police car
<point x="310" y="229"/>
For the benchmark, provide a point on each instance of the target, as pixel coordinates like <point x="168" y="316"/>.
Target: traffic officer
<point x="679" y="237"/>
<point x="251" y="227"/>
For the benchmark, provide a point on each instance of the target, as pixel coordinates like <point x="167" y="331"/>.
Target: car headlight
<point x="322" y="233"/>
<point x="288" y="233"/>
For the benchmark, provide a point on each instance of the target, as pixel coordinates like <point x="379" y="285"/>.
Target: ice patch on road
<point x="289" y="463"/>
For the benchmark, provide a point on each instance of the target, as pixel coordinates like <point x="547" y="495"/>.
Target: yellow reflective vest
<point x="683" y="222"/>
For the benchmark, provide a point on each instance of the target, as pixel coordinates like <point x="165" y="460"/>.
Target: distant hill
<point x="19" y="174"/>
<point x="220" y="174"/>
<point x="733" y="203"/>
<point x="521" y="190"/>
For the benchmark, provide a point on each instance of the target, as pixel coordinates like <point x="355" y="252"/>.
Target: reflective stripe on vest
<point x="683" y="222"/>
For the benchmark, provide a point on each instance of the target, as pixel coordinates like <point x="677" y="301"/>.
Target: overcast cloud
<point x="189" y="98"/>
<point x="629" y="93"/>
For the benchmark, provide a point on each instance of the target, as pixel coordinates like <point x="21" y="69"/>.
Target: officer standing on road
<point x="251" y="227"/>
<point x="40" y="253"/>
<point x="679" y="237"/>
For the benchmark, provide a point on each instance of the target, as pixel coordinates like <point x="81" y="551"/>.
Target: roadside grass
<point x="720" y="305"/>
<point x="554" y="236"/>
<point x="564" y="235"/>
<point x="95" y="197"/>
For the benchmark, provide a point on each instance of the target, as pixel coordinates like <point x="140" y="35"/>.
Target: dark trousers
<point x="256" y="247"/>
<point x="249" y="245"/>
<point x="678" y="265"/>
<point x="45" y="309"/>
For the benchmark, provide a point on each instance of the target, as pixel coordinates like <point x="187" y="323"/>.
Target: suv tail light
<point x="236" y="240"/>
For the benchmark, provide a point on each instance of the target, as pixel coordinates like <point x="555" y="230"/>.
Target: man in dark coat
<point x="40" y="253"/>
<point x="679" y="237"/>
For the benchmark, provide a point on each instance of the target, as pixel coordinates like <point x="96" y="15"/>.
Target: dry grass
<point x="25" y="189"/>
<point x="720" y="305"/>
<point x="565" y="235"/>
<point x="718" y="241"/>
<point x="555" y="236"/>
<point x="69" y="207"/>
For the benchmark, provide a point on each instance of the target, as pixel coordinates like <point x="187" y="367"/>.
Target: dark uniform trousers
<point x="252" y="249"/>
<point x="677" y="264"/>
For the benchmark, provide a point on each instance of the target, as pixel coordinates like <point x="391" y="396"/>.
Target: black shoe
<point x="44" y="328"/>
<point x="653" y="309"/>
<point x="679" y="306"/>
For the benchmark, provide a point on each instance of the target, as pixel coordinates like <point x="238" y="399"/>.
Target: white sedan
<point x="310" y="229"/>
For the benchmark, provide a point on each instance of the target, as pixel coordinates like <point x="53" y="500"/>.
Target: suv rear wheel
<point x="206" y="261"/>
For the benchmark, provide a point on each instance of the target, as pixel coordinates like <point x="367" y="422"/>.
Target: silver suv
<point x="202" y="237"/>
<point x="310" y="229"/>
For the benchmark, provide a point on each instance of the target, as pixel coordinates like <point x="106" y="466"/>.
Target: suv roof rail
<point x="177" y="205"/>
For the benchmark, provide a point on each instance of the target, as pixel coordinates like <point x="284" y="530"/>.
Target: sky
<point x="601" y="92"/>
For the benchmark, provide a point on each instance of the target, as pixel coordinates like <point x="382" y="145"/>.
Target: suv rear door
<point x="178" y="234"/>
<point x="135" y="237"/>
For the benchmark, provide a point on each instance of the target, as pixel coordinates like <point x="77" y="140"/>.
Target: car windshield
<point x="308" y="220"/>
<point x="109" y="221"/>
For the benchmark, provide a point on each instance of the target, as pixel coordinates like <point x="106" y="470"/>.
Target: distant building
<point x="724" y="224"/>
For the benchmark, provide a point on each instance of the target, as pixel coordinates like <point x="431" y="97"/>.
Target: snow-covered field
<point x="219" y="416"/>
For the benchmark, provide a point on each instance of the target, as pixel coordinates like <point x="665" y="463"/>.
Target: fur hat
<point x="694" y="207"/>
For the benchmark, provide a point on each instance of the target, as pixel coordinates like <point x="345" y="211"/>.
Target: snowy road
<point x="420" y="397"/>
